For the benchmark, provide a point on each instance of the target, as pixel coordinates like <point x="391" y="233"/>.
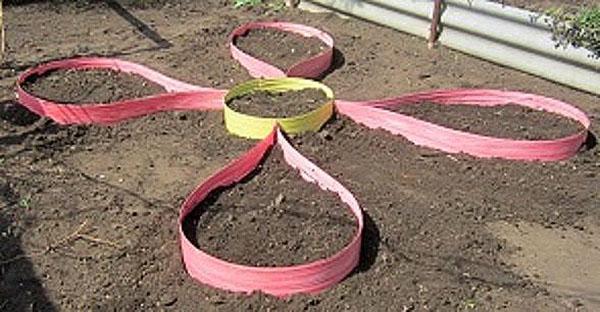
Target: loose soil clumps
<point x="282" y="49"/>
<point x="90" y="86"/>
<point x="507" y="121"/>
<point x="273" y="218"/>
<point x="279" y="104"/>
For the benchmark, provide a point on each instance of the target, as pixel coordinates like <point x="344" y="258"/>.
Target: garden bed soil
<point x="506" y="121"/>
<point x="73" y="86"/>
<point x="273" y="218"/>
<point x="279" y="104"/>
<point x="429" y="242"/>
<point x="282" y="49"/>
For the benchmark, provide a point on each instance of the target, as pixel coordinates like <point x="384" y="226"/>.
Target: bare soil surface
<point x="274" y="218"/>
<point x="565" y="260"/>
<point x="429" y="243"/>
<point x="73" y="86"/>
<point x="290" y="48"/>
<point x="507" y="121"/>
<point x="279" y="104"/>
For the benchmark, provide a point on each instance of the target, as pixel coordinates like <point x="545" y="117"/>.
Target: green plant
<point x="25" y="202"/>
<point x="242" y="3"/>
<point x="470" y="304"/>
<point x="275" y="5"/>
<point x="580" y="28"/>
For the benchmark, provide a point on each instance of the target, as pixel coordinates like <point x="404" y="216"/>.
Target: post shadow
<point x="139" y="25"/>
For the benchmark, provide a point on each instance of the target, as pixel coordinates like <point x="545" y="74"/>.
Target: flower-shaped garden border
<point x="321" y="274"/>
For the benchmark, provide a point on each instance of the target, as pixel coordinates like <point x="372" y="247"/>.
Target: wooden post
<point x="435" y="23"/>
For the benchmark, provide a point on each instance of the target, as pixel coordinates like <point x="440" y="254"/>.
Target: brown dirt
<point x="508" y="121"/>
<point x="427" y="244"/>
<point x="274" y="218"/>
<point x="74" y="86"/>
<point x="566" y="260"/>
<point x="291" y="48"/>
<point x="279" y="104"/>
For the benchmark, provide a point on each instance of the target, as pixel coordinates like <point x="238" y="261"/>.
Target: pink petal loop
<point x="312" y="277"/>
<point x="373" y="115"/>
<point x="179" y="96"/>
<point x="312" y="67"/>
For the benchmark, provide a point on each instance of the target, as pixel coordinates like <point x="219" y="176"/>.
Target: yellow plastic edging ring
<point x="254" y="127"/>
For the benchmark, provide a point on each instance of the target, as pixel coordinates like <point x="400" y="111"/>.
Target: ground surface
<point x="507" y="121"/>
<point x="279" y="104"/>
<point x="290" y="48"/>
<point x="72" y="86"/>
<point x="440" y="230"/>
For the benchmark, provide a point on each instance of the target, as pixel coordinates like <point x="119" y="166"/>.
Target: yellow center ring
<point x="255" y="127"/>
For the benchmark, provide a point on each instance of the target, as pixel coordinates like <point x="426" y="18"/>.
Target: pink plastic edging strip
<point x="372" y="115"/>
<point x="309" y="68"/>
<point x="312" y="277"/>
<point x="183" y="96"/>
<point x="319" y="275"/>
<point x="179" y="96"/>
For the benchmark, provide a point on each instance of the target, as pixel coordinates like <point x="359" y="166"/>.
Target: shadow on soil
<point x="28" y="126"/>
<point x="119" y="7"/>
<point x="591" y="141"/>
<point x="142" y="27"/>
<point x="338" y="62"/>
<point x="16" y="115"/>
<point x="20" y="289"/>
<point x="370" y="244"/>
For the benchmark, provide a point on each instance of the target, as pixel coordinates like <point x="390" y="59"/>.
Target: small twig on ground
<point x="435" y="23"/>
<point x="99" y="241"/>
<point x="77" y="234"/>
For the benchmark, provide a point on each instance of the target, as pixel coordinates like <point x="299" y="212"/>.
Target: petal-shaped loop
<point x="372" y="115"/>
<point x="180" y="96"/>
<point x="312" y="67"/>
<point x="312" y="277"/>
